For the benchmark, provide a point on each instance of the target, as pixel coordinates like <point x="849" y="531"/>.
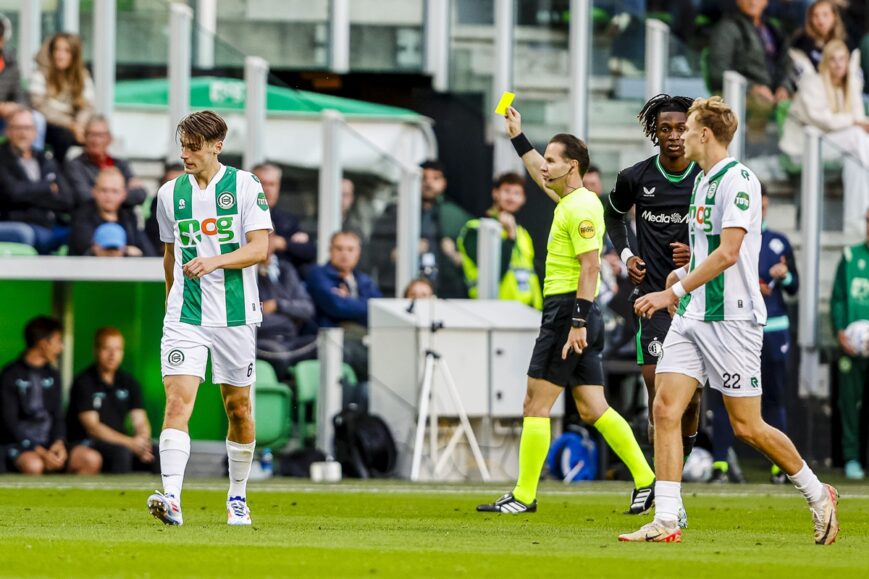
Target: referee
<point x="567" y="353"/>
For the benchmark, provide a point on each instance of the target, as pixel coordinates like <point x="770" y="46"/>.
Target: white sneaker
<point x="654" y="532"/>
<point x="237" y="512"/>
<point x="165" y="508"/>
<point x="826" y="518"/>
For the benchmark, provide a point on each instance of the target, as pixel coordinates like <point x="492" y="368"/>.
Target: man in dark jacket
<point x="288" y="332"/>
<point x="12" y="95"/>
<point x="83" y="170"/>
<point x="31" y="417"/>
<point x="441" y="224"/>
<point x="34" y="195"/>
<point x="746" y="42"/>
<point x="341" y="294"/>
<point x="106" y="206"/>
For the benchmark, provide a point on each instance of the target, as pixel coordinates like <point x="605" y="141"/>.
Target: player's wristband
<point x="521" y="144"/>
<point x="680" y="273"/>
<point x="581" y="309"/>
<point x="678" y="289"/>
<point x="626" y="255"/>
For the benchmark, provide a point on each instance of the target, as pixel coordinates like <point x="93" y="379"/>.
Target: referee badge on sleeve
<point x="586" y="229"/>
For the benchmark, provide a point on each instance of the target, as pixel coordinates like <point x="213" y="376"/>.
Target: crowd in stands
<point x="51" y="198"/>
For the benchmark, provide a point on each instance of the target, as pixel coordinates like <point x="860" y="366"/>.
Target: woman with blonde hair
<point x="832" y="101"/>
<point x="62" y="90"/>
<point x="823" y="24"/>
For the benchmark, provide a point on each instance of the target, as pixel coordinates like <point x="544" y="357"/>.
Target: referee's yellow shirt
<point x="577" y="227"/>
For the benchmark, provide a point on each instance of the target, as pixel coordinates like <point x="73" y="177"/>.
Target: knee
<point x="85" y="461"/>
<point x="532" y="407"/>
<point x="238" y="409"/>
<point x="29" y="463"/>
<point x="590" y="409"/>
<point x="746" y="432"/>
<point x="177" y="407"/>
<point x="664" y="413"/>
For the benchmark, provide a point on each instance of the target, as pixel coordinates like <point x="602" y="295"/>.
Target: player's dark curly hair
<point x="662" y="103"/>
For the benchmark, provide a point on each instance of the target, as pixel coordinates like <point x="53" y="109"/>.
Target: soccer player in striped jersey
<point x="717" y="333"/>
<point x="214" y="221"/>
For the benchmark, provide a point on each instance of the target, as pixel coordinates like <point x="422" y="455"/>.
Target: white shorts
<point x="727" y="353"/>
<point x="184" y="351"/>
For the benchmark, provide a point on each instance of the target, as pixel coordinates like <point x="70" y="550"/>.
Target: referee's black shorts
<point x="584" y="369"/>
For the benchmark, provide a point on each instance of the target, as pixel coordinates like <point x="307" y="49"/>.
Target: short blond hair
<point x="714" y="114"/>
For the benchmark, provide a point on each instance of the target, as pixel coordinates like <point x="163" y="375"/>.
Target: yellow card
<point x="506" y="101"/>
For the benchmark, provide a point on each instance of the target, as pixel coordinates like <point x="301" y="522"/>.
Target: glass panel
<point x="386" y="35"/>
<point x="287" y="33"/>
<point x="142" y="35"/>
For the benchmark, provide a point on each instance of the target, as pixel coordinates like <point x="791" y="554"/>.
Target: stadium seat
<point x="306" y="375"/>
<point x="8" y="248"/>
<point x="274" y="418"/>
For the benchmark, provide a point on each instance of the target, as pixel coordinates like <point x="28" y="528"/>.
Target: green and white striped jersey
<point x="728" y="197"/>
<point x="208" y="222"/>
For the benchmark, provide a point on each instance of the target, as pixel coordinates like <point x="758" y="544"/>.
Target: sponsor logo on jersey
<point x="175" y="357"/>
<point x="755" y="383"/>
<point x="742" y="201"/>
<point x="261" y="201"/>
<point x="586" y="229"/>
<point x="182" y="204"/>
<point x="648" y="192"/>
<point x="745" y="174"/>
<point x="190" y="231"/>
<point x="225" y="200"/>
<point x="665" y="218"/>
<point x="702" y="216"/>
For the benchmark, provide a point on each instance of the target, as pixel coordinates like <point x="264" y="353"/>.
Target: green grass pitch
<point x="68" y="527"/>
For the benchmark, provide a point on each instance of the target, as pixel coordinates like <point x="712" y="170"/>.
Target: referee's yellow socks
<point x="533" y="448"/>
<point x="619" y="436"/>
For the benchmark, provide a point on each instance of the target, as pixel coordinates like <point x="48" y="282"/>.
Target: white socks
<point x="807" y="483"/>
<point x="667" y="501"/>
<point x="174" y="452"/>
<point x="240" y="458"/>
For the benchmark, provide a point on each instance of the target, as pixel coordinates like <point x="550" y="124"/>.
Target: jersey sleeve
<point x="583" y="227"/>
<point x="621" y="198"/>
<point x="254" y="207"/>
<point x="164" y="222"/>
<point x="741" y="199"/>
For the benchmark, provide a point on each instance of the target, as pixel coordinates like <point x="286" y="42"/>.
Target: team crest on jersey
<point x="656" y="348"/>
<point x="175" y="357"/>
<point x="182" y="204"/>
<point x="742" y="201"/>
<point x="586" y="229"/>
<point x="225" y="200"/>
<point x="713" y="187"/>
<point x="261" y="201"/>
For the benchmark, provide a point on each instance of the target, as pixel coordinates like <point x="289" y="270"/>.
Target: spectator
<point x="748" y="43"/>
<point x="152" y="228"/>
<point x="109" y="240"/>
<point x="341" y="294"/>
<point x="61" y="89"/>
<point x="82" y="171"/>
<point x="288" y="332"/>
<point x="850" y="303"/>
<point x="102" y="399"/>
<point x="419" y="289"/>
<point x="823" y="24"/>
<point x="290" y="241"/>
<point x="352" y="218"/>
<point x="440" y="226"/>
<point x="32" y="427"/>
<point x="519" y="281"/>
<point x="107" y="206"/>
<point x="592" y="180"/>
<point x="831" y="101"/>
<point x="34" y="195"/>
<point x="12" y="95"/>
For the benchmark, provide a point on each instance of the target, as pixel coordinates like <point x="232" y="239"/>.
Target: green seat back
<point x="8" y="248"/>
<point x="274" y="419"/>
<point x="265" y="373"/>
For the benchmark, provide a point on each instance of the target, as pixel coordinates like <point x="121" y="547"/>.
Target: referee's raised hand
<point x="514" y="122"/>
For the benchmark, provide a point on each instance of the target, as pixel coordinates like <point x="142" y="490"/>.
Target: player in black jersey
<point x="660" y="189"/>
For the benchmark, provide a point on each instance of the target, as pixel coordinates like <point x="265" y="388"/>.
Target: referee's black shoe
<point x="508" y="504"/>
<point x="642" y="500"/>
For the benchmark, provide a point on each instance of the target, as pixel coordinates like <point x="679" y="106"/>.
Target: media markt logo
<point x="225" y="200"/>
<point x="742" y="201"/>
<point x="175" y="357"/>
